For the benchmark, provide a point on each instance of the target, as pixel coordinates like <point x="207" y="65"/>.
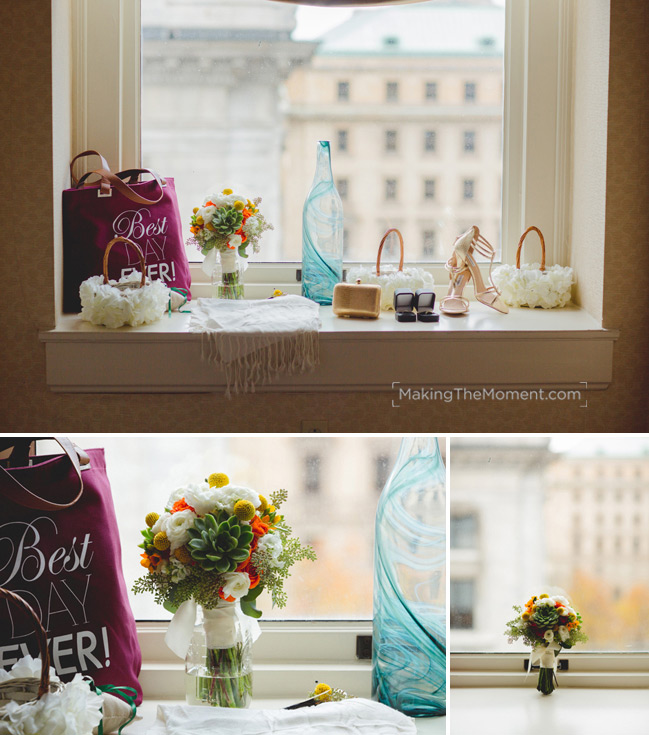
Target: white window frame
<point x="537" y="110"/>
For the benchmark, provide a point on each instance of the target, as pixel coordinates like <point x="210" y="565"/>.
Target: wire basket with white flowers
<point x="532" y="284"/>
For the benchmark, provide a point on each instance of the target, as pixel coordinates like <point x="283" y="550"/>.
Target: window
<point x="464" y="531"/>
<point x="343" y="140"/>
<point x="462" y="603"/>
<point x="320" y="475"/>
<point x="429" y="243"/>
<point x="392" y="91"/>
<point x="429" y="189"/>
<point x="390" y="141"/>
<point x="469" y="141"/>
<point x="163" y="77"/>
<point x="390" y="189"/>
<point x="468" y="189"/>
<point x="505" y="492"/>
<point x="342" y="186"/>
<point x="469" y="92"/>
<point x="430" y="141"/>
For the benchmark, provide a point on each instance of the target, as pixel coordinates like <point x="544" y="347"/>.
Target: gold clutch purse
<point x="357" y="300"/>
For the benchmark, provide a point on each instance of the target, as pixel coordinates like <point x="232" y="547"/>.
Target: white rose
<point x="201" y="497"/>
<point x="549" y="636"/>
<point x="272" y="544"/>
<point x="207" y="213"/>
<point x="235" y="241"/>
<point x="175" y="496"/>
<point x="159" y="525"/>
<point x="564" y="602"/>
<point x="177" y="525"/>
<point x="235" y="584"/>
<point x="564" y="633"/>
<point x="544" y="601"/>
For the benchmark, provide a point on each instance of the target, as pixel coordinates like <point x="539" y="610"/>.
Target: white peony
<point x="272" y="544"/>
<point x="235" y="584"/>
<point x="176" y="526"/>
<point x="559" y="598"/>
<point x="544" y="601"/>
<point x="201" y="497"/>
<point x="206" y="213"/>
<point x="549" y="636"/>
<point x="175" y="496"/>
<point x="159" y="525"/>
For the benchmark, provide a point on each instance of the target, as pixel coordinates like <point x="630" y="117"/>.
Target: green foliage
<point x="277" y="497"/>
<point x="273" y="577"/>
<point x="219" y="543"/>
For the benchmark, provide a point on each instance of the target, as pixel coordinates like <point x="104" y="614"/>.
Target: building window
<point x="342" y="185"/>
<point x="462" y="603"/>
<point x="390" y="188"/>
<point x="312" y="473"/>
<point x="469" y="92"/>
<point x="429" y="242"/>
<point x="431" y="91"/>
<point x="390" y="140"/>
<point x="429" y="189"/>
<point x="468" y="189"/>
<point x="343" y="140"/>
<point x="343" y="91"/>
<point x="382" y="465"/>
<point x="430" y="140"/>
<point x="392" y="91"/>
<point x="469" y="141"/>
<point x="464" y="531"/>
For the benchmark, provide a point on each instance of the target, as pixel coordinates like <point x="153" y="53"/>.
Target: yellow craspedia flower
<point x="238" y="205"/>
<point x="263" y="504"/>
<point x="183" y="555"/>
<point x="151" y="518"/>
<point x="543" y="596"/>
<point x="525" y="616"/>
<point x="271" y="509"/>
<point x="218" y="479"/>
<point x="200" y="220"/>
<point x="244" y="510"/>
<point x="210" y="226"/>
<point x="323" y="690"/>
<point x="278" y="292"/>
<point x="161" y="542"/>
<point x="227" y="192"/>
<point x="195" y="210"/>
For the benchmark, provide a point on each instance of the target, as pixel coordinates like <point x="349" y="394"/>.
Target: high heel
<point x="462" y="266"/>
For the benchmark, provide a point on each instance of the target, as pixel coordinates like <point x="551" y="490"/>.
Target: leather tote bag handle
<point x="378" y="257"/>
<point x="13" y="490"/>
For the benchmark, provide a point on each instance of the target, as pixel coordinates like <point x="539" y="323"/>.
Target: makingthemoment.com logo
<point x="410" y="394"/>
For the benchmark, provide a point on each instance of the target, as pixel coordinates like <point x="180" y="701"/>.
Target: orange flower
<point x="145" y="561"/>
<point x="181" y="505"/>
<point x="227" y="599"/>
<point x="259" y="528"/>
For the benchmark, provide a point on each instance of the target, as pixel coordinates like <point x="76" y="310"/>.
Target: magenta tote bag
<point x="60" y="551"/>
<point x="120" y="205"/>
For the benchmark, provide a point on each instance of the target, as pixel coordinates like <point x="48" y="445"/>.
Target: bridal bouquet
<point x="547" y="624"/>
<point x="215" y="548"/>
<point x="226" y="225"/>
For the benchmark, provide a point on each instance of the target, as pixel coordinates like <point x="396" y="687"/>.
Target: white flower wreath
<point x="530" y="286"/>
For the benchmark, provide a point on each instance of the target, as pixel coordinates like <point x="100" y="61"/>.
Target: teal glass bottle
<point x="409" y="631"/>
<point x="322" y="233"/>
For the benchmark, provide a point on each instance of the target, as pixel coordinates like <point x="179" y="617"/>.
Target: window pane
<point x="240" y="100"/>
<point x="390" y="188"/>
<point x="527" y="515"/>
<point x="390" y="140"/>
<point x="429" y="189"/>
<point x="468" y="188"/>
<point x="469" y="141"/>
<point x="322" y="476"/>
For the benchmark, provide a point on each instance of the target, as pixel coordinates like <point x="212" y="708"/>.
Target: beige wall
<point x="28" y="284"/>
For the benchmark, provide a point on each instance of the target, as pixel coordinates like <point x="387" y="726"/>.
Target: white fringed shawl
<point x="254" y="341"/>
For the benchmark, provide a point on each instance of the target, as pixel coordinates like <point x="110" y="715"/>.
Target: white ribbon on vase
<point x="219" y="624"/>
<point x="228" y="262"/>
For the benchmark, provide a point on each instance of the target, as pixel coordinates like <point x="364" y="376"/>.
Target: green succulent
<point x="219" y="542"/>
<point x="546" y="616"/>
<point x="226" y="221"/>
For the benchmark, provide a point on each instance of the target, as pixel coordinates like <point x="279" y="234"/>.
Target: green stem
<point x="546" y="681"/>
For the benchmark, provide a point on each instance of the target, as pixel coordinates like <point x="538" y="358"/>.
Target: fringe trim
<point x="288" y="355"/>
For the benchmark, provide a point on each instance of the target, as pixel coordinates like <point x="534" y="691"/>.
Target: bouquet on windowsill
<point x="227" y="225"/>
<point x="217" y="547"/>
<point x="546" y="624"/>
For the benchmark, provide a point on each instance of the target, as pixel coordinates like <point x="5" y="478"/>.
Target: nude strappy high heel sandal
<point x="462" y="266"/>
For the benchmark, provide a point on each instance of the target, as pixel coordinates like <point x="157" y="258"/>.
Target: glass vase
<point x="322" y="233"/>
<point x="409" y="631"/>
<point x="227" y="276"/>
<point x="218" y="666"/>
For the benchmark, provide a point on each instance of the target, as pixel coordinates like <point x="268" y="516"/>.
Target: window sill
<point x="526" y="349"/>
